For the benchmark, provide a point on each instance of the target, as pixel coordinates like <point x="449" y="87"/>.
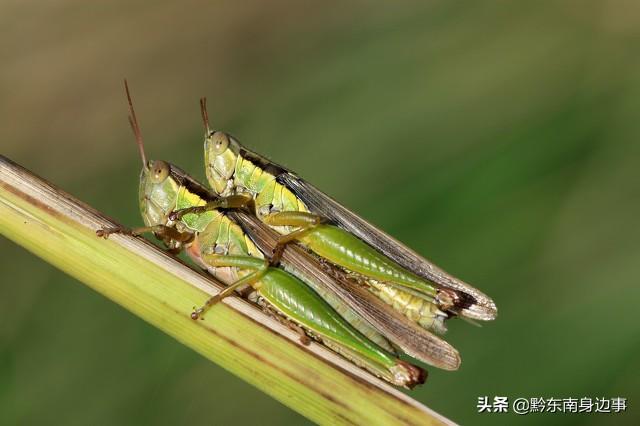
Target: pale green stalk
<point x="234" y="334"/>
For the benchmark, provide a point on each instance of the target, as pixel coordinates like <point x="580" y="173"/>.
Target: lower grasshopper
<point x="215" y="242"/>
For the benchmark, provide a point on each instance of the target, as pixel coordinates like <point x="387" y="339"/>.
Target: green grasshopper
<point x="220" y="245"/>
<point x="304" y="214"/>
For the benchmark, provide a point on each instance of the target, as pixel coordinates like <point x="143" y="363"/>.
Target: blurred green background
<point x="498" y="139"/>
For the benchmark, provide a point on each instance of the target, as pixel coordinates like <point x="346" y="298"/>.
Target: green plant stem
<point x="155" y="286"/>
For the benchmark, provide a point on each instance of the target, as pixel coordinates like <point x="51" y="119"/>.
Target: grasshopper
<point x="302" y="213"/>
<point x="220" y="245"/>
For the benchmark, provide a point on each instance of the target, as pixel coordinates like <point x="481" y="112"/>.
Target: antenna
<point x="205" y="115"/>
<point x="133" y="121"/>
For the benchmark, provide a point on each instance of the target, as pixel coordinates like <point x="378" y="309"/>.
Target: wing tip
<point x="453" y="361"/>
<point x="480" y="312"/>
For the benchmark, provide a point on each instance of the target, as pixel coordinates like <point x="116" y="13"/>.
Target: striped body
<point x="413" y="307"/>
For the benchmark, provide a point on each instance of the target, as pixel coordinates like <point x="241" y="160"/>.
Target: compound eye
<point x="219" y="142"/>
<point x="159" y="171"/>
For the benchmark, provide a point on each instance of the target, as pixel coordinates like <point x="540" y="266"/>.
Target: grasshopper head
<point x="220" y="161"/>
<point x="220" y="155"/>
<point x="158" y="192"/>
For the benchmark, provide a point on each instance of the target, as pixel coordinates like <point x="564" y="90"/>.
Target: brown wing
<point x="474" y="304"/>
<point x="408" y="336"/>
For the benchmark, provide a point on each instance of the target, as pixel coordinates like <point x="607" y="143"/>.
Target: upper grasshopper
<point x="303" y="213"/>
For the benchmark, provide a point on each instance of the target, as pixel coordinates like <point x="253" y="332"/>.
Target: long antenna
<point x="205" y="115"/>
<point x="133" y="121"/>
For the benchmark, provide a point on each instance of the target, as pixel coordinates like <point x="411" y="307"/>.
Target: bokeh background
<point x="498" y="139"/>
